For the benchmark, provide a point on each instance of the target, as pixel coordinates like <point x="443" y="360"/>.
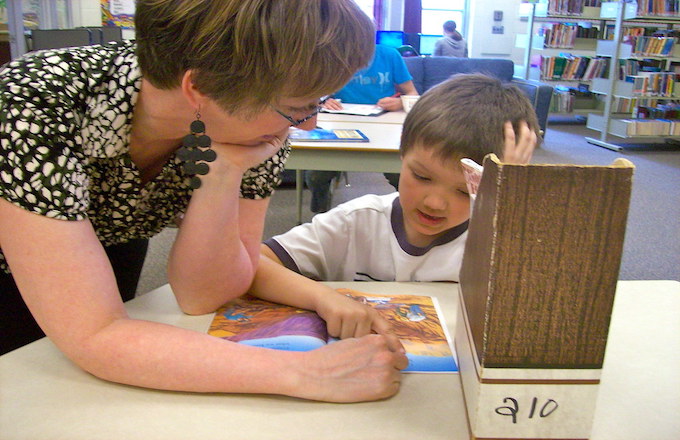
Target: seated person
<point x="419" y="232"/>
<point x="453" y="44"/>
<point x="380" y="83"/>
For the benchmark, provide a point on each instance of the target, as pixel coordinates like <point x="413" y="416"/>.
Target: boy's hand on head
<point x="347" y="318"/>
<point x="519" y="147"/>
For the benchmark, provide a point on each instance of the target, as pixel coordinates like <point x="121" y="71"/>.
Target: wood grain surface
<point x="542" y="260"/>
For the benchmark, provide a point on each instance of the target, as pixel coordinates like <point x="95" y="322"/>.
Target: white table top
<point x="44" y="396"/>
<point x="380" y="154"/>
<point x="385" y="118"/>
<point x="381" y="137"/>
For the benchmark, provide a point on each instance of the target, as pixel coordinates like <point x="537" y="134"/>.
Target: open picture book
<point x="321" y="134"/>
<point x="416" y="319"/>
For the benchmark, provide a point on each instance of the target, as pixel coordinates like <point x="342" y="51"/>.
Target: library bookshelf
<point x="559" y="47"/>
<point x="625" y="92"/>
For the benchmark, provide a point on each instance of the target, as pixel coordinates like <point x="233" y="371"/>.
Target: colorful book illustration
<point x="333" y="135"/>
<point x="357" y="109"/>
<point x="416" y="320"/>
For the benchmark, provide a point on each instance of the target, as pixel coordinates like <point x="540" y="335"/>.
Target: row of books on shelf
<point x="564" y="35"/>
<point x="630" y="67"/>
<point x="588" y="31"/>
<point x="650" y="110"/>
<point x="570" y="7"/>
<point x="653" y="118"/>
<point x="666" y="33"/>
<point x="645" y="8"/>
<point x="634" y="31"/>
<point x="632" y="106"/>
<point x="555" y="32"/>
<point x="653" y="83"/>
<point x="665" y="8"/>
<point x="651" y="46"/>
<point x="652" y="127"/>
<point x="564" y="99"/>
<point x="569" y="68"/>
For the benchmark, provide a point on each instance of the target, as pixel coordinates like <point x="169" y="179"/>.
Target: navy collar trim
<point x="397" y="220"/>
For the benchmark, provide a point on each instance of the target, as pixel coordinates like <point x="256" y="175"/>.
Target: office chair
<point x="407" y="51"/>
<point x="58" y="38"/>
<point x="104" y="34"/>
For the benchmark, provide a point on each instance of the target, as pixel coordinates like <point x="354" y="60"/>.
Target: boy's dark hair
<point x="245" y="54"/>
<point x="464" y="117"/>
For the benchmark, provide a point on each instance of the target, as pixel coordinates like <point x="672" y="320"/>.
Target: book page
<point x="357" y="109"/>
<point x="418" y="323"/>
<point x="416" y="319"/>
<point x="260" y="323"/>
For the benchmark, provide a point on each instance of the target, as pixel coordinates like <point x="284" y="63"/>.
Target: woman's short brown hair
<point x="249" y="53"/>
<point x="464" y="117"/>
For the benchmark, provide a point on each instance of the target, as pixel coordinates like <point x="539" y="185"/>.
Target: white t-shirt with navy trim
<point x="365" y="240"/>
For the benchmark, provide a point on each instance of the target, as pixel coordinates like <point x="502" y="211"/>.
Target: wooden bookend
<point x="537" y="287"/>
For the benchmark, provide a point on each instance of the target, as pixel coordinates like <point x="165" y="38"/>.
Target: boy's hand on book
<point x="352" y="370"/>
<point x="519" y="147"/>
<point x="347" y="318"/>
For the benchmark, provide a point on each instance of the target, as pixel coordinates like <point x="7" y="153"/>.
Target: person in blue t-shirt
<point x="380" y="83"/>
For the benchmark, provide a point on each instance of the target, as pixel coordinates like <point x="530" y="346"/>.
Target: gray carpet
<point x="652" y="245"/>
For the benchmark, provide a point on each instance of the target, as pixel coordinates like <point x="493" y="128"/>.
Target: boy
<point x="385" y="77"/>
<point x="418" y="233"/>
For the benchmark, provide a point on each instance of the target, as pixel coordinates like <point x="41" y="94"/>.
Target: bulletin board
<point x="118" y="13"/>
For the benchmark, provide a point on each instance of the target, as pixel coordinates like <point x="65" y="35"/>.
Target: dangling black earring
<point x="196" y="148"/>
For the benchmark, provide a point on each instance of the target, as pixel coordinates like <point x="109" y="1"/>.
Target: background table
<point x="380" y="154"/>
<point x="44" y="396"/>
<point x="385" y="118"/>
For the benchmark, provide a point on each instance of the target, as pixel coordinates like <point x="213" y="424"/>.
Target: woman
<point x="452" y="44"/>
<point x="101" y="147"/>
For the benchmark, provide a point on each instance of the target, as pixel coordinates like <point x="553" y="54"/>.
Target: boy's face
<point x="433" y="195"/>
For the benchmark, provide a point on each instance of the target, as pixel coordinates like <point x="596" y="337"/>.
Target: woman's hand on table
<point x="351" y="370"/>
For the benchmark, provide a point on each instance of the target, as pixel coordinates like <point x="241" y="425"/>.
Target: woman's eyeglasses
<point x="296" y="122"/>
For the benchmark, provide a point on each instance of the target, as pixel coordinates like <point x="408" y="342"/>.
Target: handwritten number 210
<point x="511" y="410"/>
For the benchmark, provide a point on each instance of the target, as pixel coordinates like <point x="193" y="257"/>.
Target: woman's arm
<point x="67" y="282"/>
<point x="215" y="255"/>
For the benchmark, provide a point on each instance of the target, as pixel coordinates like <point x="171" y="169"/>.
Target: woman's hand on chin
<point x="244" y="157"/>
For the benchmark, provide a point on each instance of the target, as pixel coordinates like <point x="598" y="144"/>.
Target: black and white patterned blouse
<point x="65" y="121"/>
